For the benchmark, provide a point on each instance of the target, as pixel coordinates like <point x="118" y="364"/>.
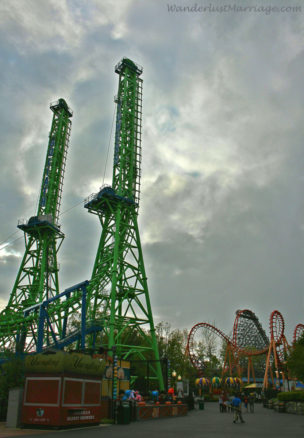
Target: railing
<point x="57" y="103"/>
<point x="118" y="66"/>
<point x="90" y="198"/>
<point x="94" y="195"/>
<point x="39" y="219"/>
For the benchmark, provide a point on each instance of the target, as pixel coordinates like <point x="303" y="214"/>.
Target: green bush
<point x="210" y="398"/>
<point x="11" y="376"/>
<point x="270" y="393"/>
<point x="106" y="421"/>
<point x="297" y="396"/>
<point x="296" y="359"/>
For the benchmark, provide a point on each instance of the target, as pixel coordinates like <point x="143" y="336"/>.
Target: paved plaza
<point x="208" y="423"/>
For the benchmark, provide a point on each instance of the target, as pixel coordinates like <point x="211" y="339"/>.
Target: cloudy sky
<point x="222" y="205"/>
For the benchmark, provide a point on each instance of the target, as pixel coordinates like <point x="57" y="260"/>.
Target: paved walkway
<point x="208" y="423"/>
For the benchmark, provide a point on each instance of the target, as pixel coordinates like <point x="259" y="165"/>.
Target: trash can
<point x="201" y="405"/>
<point x="123" y="413"/>
<point x="133" y="410"/>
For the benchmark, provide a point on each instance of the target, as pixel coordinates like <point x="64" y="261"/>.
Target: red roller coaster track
<point x="247" y="330"/>
<point x="234" y="344"/>
<point x="298" y="332"/>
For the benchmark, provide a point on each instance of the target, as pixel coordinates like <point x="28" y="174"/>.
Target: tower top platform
<point x="126" y="62"/>
<point x="61" y="103"/>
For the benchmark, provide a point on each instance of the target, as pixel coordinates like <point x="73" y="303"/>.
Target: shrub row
<point x="210" y="398"/>
<point x="297" y="396"/>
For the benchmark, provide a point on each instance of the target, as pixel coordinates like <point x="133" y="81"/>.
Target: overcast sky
<point x="222" y="204"/>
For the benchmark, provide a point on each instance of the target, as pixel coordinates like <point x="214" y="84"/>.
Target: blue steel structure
<point x="45" y="311"/>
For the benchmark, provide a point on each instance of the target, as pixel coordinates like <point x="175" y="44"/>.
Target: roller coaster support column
<point x="250" y="368"/>
<point x="268" y="370"/>
<point x="231" y="360"/>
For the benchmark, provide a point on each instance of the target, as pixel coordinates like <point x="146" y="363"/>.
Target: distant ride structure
<point x="248" y="331"/>
<point x="278" y="348"/>
<point x="37" y="278"/>
<point x="248" y="340"/>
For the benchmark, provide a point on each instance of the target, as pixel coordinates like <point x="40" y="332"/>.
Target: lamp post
<point x="174" y="374"/>
<point x="179" y="388"/>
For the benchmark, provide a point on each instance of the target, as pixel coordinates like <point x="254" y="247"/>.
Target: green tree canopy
<point x="295" y="362"/>
<point x="11" y="376"/>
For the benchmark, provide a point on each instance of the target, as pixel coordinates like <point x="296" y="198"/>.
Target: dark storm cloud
<point x="221" y="214"/>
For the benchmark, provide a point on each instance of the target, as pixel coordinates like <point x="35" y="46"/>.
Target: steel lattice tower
<point x="118" y="291"/>
<point x="37" y="278"/>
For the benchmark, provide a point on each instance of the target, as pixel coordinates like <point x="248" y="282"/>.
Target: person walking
<point x="221" y="402"/>
<point x="225" y="399"/>
<point x="251" y="402"/>
<point x="246" y="402"/>
<point x="180" y="394"/>
<point x="237" y="409"/>
<point x="230" y="398"/>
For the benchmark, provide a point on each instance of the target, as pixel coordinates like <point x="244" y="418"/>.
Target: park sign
<point x="62" y="362"/>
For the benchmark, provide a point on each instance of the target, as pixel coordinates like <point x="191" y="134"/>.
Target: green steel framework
<point x="118" y="290"/>
<point x="37" y="278"/>
<point x="117" y="296"/>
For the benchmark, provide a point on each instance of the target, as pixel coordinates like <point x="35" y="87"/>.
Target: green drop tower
<point x="118" y="291"/>
<point x="37" y="278"/>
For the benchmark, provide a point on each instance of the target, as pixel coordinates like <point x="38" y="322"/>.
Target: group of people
<point x="130" y="395"/>
<point x="234" y="403"/>
<point x="249" y="401"/>
<point x="154" y="396"/>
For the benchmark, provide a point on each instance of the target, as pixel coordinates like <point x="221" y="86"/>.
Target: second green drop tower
<point x="118" y="291"/>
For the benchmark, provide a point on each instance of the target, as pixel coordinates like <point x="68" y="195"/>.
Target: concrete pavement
<point x="207" y="423"/>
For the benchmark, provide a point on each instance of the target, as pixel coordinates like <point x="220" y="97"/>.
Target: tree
<point x="295" y="362"/>
<point x="172" y="346"/>
<point x="11" y="376"/>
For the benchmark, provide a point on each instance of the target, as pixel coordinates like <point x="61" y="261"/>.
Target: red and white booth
<point x="62" y="389"/>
